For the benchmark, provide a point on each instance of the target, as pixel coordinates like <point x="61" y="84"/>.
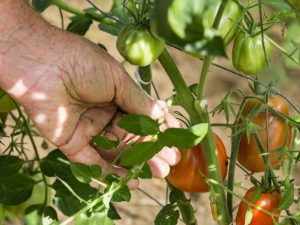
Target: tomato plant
<point x="6" y="102"/>
<point x="138" y="45"/>
<point x="190" y="173"/>
<point x="279" y="134"/>
<point x="266" y="201"/>
<point x="248" y="55"/>
<point x="155" y="35"/>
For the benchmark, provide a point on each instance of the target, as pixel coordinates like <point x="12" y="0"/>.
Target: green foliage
<point x="184" y="28"/>
<point x="115" y="19"/>
<point x="84" y="173"/>
<point x="9" y="165"/>
<point x="104" y="143"/>
<point x="38" y="214"/>
<point x="41" y="5"/>
<point x="168" y="215"/>
<point x="139" y="125"/>
<point x="80" y="25"/>
<point x="15" y="189"/>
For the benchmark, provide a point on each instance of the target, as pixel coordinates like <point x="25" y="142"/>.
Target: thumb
<point x="133" y="99"/>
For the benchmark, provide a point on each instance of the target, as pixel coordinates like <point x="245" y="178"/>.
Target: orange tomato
<point x="267" y="201"/>
<point x="189" y="174"/>
<point x="248" y="153"/>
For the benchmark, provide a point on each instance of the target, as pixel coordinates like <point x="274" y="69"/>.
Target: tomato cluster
<point x="190" y="173"/>
<point x="279" y="135"/>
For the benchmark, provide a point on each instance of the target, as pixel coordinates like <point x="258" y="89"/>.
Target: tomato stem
<point x="282" y="50"/>
<point x="145" y="78"/>
<point x="69" y="8"/>
<point x="185" y="97"/>
<point x="216" y="192"/>
<point x="27" y="127"/>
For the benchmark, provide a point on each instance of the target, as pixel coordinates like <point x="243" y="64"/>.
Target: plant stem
<point x="145" y="77"/>
<point x="186" y="209"/>
<point x="233" y="157"/>
<point x="183" y="93"/>
<point x="217" y="193"/>
<point x="69" y="8"/>
<point x="282" y="50"/>
<point x="35" y="151"/>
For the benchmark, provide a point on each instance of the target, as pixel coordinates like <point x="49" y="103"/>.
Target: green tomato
<point x="138" y="45"/>
<point x="227" y="27"/>
<point x="6" y="103"/>
<point x="248" y="53"/>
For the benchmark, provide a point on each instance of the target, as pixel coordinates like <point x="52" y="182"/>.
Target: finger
<point x="133" y="99"/>
<point x="159" y="167"/>
<point x="90" y="123"/>
<point x="170" y="155"/>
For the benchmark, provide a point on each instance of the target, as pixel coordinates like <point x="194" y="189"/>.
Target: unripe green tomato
<point x="248" y="54"/>
<point x="6" y="102"/>
<point x="231" y="14"/>
<point x="138" y="45"/>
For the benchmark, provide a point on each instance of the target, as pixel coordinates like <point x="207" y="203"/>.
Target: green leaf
<point x="38" y="214"/>
<point x="287" y="198"/>
<point x="85" y="173"/>
<point x="80" y="25"/>
<point x="183" y="138"/>
<point x="15" y="189"/>
<point x="95" y="218"/>
<point x="41" y="5"/>
<point x="168" y="215"/>
<point x="292" y="44"/>
<point x="179" y="22"/>
<point x="278" y="4"/>
<point x="10" y="165"/>
<point x="185" y="18"/>
<point x="176" y="196"/>
<point x="139" y="125"/>
<point x="56" y="164"/>
<point x="212" y="44"/>
<point x="113" y="213"/>
<point x="65" y="200"/>
<point x="123" y="194"/>
<point x="145" y="172"/>
<point x="139" y="153"/>
<point x="249" y="216"/>
<point x="104" y="143"/>
<point x="120" y="17"/>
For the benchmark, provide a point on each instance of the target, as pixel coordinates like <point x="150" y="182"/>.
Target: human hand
<point x="71" y="89"/>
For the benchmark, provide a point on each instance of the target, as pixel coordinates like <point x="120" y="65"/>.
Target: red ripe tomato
<point x="248" y="153"/>
<point x="267" y="201"/>
<point x="189" y="174"/>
